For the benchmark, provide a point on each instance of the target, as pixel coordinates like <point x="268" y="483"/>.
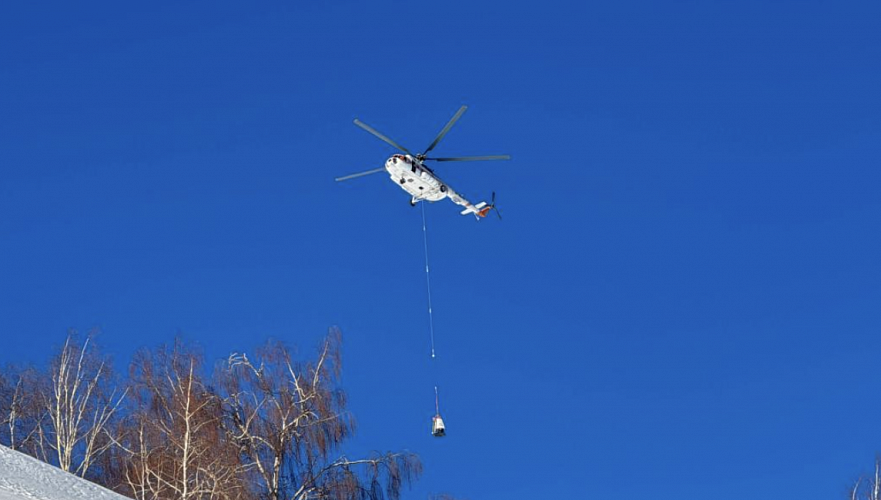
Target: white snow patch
<point x="26" y="478"/>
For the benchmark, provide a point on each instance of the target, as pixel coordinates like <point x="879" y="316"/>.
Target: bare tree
<point x="266" y="427"/>
<point x="176" y="444"/>
<point x="289" y="419"/>
<point x="80" y="405"/>
<point x="11" y="407"/>
<point x="23" y="413"/>
<point x="868" y="489"/>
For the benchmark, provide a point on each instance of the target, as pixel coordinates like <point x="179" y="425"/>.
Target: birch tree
<point x="868" y="489"/>
<point x="176" y="444"/>
<point x="23" y="413"/>
<point x="12" y="408"/>
<point x="289" y="420"/>
<point x="80" y="404"/>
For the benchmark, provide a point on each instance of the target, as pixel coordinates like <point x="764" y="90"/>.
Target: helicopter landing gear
<point x="413" y="201"/>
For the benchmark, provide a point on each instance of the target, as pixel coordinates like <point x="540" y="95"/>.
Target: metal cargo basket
<point x="437" y="426"/>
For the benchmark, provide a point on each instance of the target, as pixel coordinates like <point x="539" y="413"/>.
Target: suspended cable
<point x="437" y="423"/>
<point x="427" y="280"/>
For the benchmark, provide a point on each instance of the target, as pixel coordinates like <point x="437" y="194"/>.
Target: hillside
<point x="26" y="478"/>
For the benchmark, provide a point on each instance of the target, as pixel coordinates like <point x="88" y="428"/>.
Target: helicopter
<point x="410" y="172"/>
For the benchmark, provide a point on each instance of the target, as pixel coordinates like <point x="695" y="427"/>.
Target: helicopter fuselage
<point x="416" y="179"/>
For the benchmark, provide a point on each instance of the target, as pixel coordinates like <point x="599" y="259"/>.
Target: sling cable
<point x="437" y="423"/>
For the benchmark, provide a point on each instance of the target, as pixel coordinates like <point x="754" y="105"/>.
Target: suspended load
<point x="437" y="426"/>
<point x="437" y="423"/>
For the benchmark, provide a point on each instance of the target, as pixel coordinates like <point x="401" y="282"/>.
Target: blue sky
<point x="683" y="297"/>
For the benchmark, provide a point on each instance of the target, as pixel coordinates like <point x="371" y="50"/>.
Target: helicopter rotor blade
<point x="446" y="129"/>
<point x="382" y="137"/>
<point x="473" y="158"/>
<point x="359" y="174"/>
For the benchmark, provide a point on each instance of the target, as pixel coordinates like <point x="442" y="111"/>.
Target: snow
<point x="26" y="478"/>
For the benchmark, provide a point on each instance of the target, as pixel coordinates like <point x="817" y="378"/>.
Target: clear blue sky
<point x="684" y="297"/>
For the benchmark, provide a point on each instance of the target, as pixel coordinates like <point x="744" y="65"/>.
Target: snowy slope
<point x="26" y="478"/>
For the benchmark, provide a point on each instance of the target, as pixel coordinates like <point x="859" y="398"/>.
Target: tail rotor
<point x="492" y="206"/>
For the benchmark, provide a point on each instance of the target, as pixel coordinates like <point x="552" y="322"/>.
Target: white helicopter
<point x="410" y="172"/>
